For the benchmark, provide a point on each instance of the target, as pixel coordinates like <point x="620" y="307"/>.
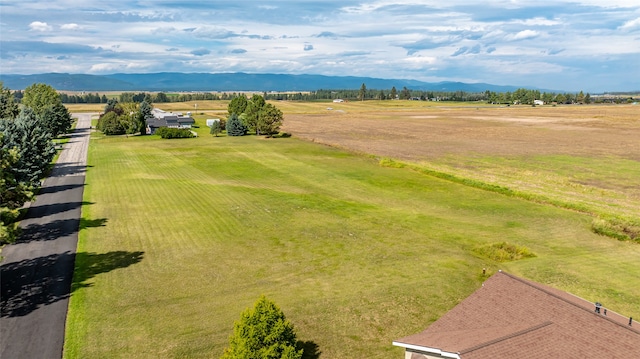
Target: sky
<point x="590" y="45"/>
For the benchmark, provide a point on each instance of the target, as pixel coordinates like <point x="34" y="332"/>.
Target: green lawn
<point x="181" y="236"/>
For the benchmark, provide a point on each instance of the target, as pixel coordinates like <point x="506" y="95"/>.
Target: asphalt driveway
<point x="36" y="272"/>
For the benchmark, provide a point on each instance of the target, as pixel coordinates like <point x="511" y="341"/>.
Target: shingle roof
<point x="513" y="317"/>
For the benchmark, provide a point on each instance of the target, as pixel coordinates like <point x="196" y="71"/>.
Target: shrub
<point x="263" y="332"/>
<point x="166" y="132"/>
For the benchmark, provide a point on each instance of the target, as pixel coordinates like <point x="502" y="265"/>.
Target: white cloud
<point x="538" y="21"/>
<point x="631" y="24"/>
<point x="40" y="26"/>
<point x="523" y="35"/>
<point x="70" y="27"/>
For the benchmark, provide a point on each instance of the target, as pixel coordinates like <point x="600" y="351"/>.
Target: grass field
<point x="180" y="236"/>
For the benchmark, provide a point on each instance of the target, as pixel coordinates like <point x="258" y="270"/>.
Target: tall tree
<point x="145" y="112"/>
<point x="394" y="93"/>
<point x="8" y="106"/>
<point x="363" y="92"/>
<point x="269" y="120"/>
<point x="47" y="105"/>
<point x="39" y="95"/>
<point x="237" y="105"/>
<point x="252" y="113"/>
<point x="263" y="333"/>
<point x="56" y="119"/>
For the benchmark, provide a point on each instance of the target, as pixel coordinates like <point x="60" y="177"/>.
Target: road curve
<point x="36" y="272"/>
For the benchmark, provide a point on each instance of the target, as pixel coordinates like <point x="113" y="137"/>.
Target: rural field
<point x="349" y="225"/>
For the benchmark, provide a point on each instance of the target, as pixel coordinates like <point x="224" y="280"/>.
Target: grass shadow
<point x="311" y="349"/>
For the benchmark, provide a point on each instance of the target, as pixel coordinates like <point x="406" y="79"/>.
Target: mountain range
<point x="238" y="81"/>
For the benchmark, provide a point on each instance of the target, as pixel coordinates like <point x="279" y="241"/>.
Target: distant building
<point x="168" y="119"/>
<point x="538" y="102"/>
<point x="510" y="317"/>
<point x="338" y="100"/>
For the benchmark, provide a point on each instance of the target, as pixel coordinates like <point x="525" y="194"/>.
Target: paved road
<point x="37" y="271"/>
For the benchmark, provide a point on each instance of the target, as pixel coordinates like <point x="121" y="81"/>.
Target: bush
<point x="263" y="332"/>
<point x="166" y="132"/>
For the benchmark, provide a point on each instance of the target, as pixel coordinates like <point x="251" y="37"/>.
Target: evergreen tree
<point x="13" y="194"/>
<point x="235" y="127"/>
<point x="394" y="93"/>
<point x="8" y="106"/>
<point x="363" y="92"/>
<point x="34" y="145"/>
<point x="145" y="112"/>
<point x="263" y="333"/>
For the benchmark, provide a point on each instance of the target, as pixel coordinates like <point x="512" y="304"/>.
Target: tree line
<point x="27" y="131"/>
<point x="519" y="96"/>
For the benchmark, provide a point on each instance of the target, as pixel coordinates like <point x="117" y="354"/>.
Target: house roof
<point x="513" y="317"/>
<point x="169" y="121"/>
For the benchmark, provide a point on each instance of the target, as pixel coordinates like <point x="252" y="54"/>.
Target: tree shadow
<point x="67" y="169"/>
<point x="92" y="223"/>
<point x="57" y="229"/>
<point x="32" y="283"/>
<point x="88" y="265"/>
<point x="43" y="210"/>
<point x="311" y="349"/>
<point x="61" y="188"/>
<point x="49" y="231"/>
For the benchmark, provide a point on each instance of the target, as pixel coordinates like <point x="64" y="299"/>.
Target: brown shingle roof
<point x="513" y="317"/>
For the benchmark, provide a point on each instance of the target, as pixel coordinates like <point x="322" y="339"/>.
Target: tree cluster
<point x="26" y="148"/>
<point x="263" y="333"/>
<point x="85" y="98"/>
<point x="255" y="115"/>
<point x="124" y="118"/>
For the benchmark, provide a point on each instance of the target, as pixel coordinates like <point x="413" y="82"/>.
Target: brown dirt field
<point x="432" y="132"/>
<point x="583" y="154"/>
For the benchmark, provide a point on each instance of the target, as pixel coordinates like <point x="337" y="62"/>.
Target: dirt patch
<point x="420" y="134"/>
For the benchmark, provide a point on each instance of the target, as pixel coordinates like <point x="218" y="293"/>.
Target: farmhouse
<point x="538" y="102"/>
<point x="510" y="317"/>
<point x="167" y="119"/>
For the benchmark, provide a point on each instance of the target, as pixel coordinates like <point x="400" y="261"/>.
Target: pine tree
<point x="235" y="127"/>
<point x="34" y="145"/>
<point x="263" y="333"/>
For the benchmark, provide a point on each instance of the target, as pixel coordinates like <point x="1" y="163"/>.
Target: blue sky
<point x="591" y="45"/>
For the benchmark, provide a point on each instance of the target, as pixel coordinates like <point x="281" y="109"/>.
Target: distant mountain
<point x="176" y="81"/>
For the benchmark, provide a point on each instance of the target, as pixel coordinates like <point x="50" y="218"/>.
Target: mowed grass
<point x="180" y="236"/>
